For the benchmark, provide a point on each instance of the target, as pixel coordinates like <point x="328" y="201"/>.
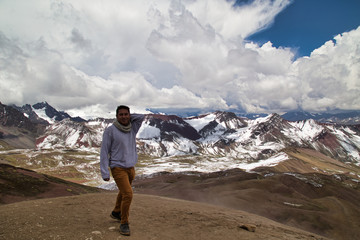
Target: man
<point x="118" y="151"/>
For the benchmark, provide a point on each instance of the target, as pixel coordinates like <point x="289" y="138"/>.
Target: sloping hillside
<point x="294" y="193"/>
<point x="19" y="184"/>
<point x="87" y="217"/>
<point x="64" y="210"/>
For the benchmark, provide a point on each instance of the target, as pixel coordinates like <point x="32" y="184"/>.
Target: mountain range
<point x="205" y="143"/>
<point x="44" y="113"/>
<point x="345" y="117"/>
<point x="303" y="173"/>
<point x="220" y="134"/>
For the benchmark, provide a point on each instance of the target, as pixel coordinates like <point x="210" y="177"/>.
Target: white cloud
<point x="232" y="22"/>
<point x="86" y="56"/>
<point x="330" y="76"/>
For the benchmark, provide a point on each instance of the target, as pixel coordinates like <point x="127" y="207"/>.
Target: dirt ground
<point x="331" y="210"/>
<point x="152" y="217"/>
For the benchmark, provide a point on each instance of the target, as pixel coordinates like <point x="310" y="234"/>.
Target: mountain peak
<point x="43" y="112"/>
<point x="41" y="105"/>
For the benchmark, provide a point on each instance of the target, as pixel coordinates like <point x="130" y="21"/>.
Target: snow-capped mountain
<point x="220" y="134"/>
<point x="10" y="117"/>
<point x="217" y="134"/>
<point x="339" y="117"/>
<point x="70" y="134"/>
<point x="16" y="129"/>
<point x="44" y="113"/>
<point x="210" y="142"/>
<point x="265" y="137"/>
<point x="344" y="117"/>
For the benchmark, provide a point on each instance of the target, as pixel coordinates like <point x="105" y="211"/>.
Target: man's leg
<point x="117" y="174"/>
<point x="123" y="178"/>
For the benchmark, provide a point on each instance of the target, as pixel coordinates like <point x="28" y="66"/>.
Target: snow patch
<point x="147" y="131"/>
<point x="42" y="114"/>
<point x="201" y="122"/>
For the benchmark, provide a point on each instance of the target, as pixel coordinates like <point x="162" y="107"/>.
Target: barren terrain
<point x="310" y="192"/>
<point x="87" y="217"/>
<point x="37" y="206"/>
<point x="293" y="200"/>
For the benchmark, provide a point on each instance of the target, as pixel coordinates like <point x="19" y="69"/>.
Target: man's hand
<point x="106" y="179"/>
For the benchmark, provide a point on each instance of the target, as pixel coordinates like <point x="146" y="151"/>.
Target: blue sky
<point x="307" y="24"/>
<point x="87" y="57"/>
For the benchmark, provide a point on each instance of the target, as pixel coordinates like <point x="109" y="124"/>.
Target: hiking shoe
<point x="116" y="215"/>
<point x="125" y="229"/>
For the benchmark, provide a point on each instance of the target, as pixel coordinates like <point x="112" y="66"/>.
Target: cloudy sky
<point x="86" y="57"/>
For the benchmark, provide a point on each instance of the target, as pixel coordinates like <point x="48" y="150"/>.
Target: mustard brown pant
<point x="123" y="178"/>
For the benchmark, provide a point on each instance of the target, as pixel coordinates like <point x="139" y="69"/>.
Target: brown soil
<point x="87" y="217"/>
<point x="317" y="203"/>
<point x="19" y="184"/>
<point x="38" y="206"/>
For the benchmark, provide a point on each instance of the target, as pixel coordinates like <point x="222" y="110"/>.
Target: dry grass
<point x="59" y="163"/>
<point x="308" y="160"/>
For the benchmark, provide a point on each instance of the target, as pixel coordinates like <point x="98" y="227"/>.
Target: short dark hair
<point x="122" y="107"/>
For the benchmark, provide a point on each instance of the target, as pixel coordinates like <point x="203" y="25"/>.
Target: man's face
<point x="123" y="116"/>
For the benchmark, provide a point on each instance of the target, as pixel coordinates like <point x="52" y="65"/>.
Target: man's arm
<point x="104" y="155"/>
<point x="136" y="120"/>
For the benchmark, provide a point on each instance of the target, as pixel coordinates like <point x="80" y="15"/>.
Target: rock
<point x="112" y="228"/>
<point x="248" y="227"/>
